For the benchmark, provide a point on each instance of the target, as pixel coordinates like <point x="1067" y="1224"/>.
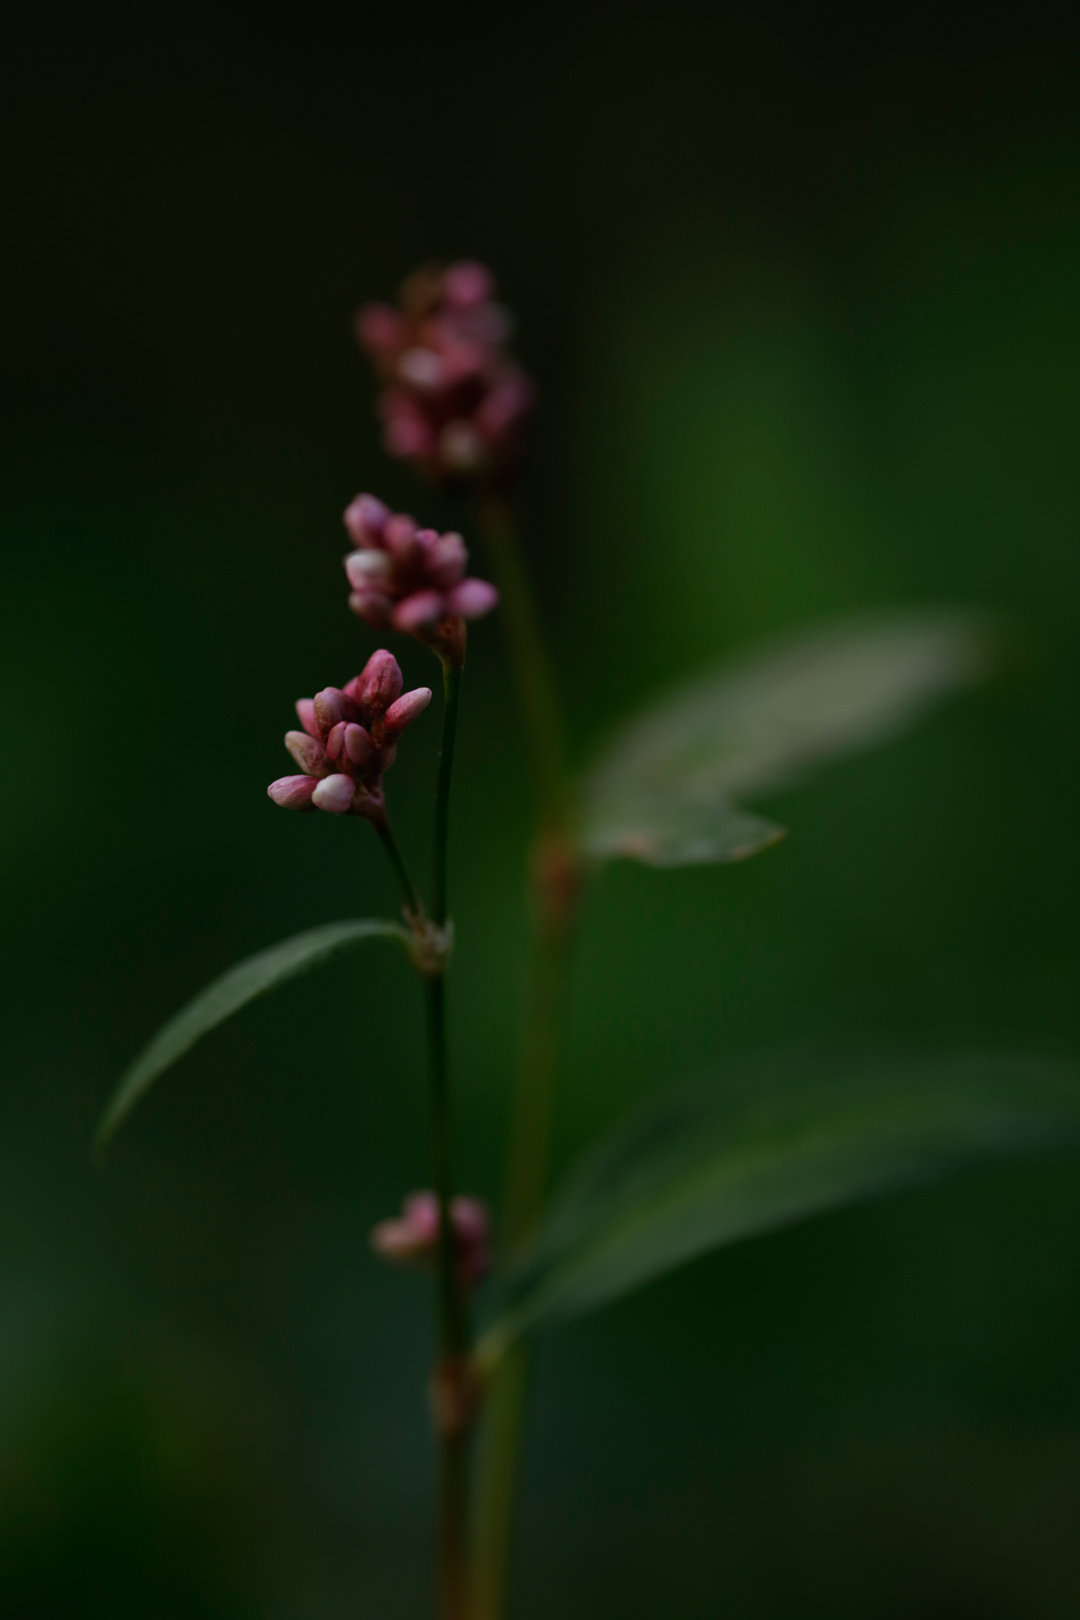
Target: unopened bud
<point x="371" y="606"/>
<point x="419" y="610"/>
<point x="308" y="752"/>
<point x="379" y="682"/>
<point x="467" y="283"/>
<point x="407" y="708"/>
<point x="399" y="536"/>
<point x="472" y="598"/>
<point x="448" y="559"/>
<point x="407" y="434"/>
<point x="423" y="369"/>
<point x="293" y="792"/>
<point x="366" y="569"/>
<point x="305" y="708"/>
<point x="365" y="518"/>
<point x="359" y="747"/>
<point x="334" y="793"/>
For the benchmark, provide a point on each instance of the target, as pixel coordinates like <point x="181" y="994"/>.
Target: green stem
<point x="528" y="658"/>
<point x="409" y="892"/>
<point x="450" y="1392"/>
<point x="555" y="881"/>
<point x="499" y="1464"/>
<point x="451" y="698"/>
<point x="448" y="1387"/>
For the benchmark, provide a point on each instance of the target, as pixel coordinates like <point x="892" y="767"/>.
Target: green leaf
<point x="709" y="1165"/>
<point x="665" y="790"/>
<point x="227" y="994"/>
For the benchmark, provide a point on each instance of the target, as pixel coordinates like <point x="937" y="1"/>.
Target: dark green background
<point x="800" y="288"/>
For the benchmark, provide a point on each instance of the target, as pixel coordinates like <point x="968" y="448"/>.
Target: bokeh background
<point x="800" y="287"/>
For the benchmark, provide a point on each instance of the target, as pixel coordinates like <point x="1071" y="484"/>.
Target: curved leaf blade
<point x="709" y="1165"/>
<point x="664" y="789"/>
<point x="226" y="994"/>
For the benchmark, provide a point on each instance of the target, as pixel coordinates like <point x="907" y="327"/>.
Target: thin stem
<point x="448" y="1394"/>
<point x="449" y="1389"/>
<point x="555" y="881"/>
<point x="451" y="697"/>
<point x="409" y="892"/>
<point x="498" y="1485"/>
<point x="528" y="658"/>
<point x="530" y="1138"/>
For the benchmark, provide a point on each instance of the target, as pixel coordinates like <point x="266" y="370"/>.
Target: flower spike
<point x="349" y="739"/>
<point x="453" y="402"/>
<point x="412" y="1237"/>
<point x="411" y="579"/>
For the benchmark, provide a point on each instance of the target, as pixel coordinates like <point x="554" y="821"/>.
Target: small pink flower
<point x="349" y="739"/>
<point x="453" y="401"/>
<point x="412" y="1237"/>
<point x="411" y="579"/>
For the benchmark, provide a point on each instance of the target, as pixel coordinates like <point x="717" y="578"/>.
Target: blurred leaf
<point x="227" y="994"/>
<point x="707" y="1166"/>
<point x="664" y="789"/>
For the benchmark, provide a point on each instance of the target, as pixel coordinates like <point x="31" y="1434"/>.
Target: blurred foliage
<point x="800" y="288"/>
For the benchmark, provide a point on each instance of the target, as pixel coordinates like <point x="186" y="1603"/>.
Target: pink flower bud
<point x="413" y="1236"/>
<point x="467" y="283"/>
<point x="367" y="569"/>
<point x="471" y="1223"/>
<point x="407" y="708"/>
<point x="407" y="434"/>
<point x="305" y="708"/>
<point x="308" y="753"/>
<point x="423" y="369"/>
<point x="471" y="1219"/>
<point x="365" y="518"/>
<point x="333" y="705"/>
<point x="327" y="710"/>
<point x="379" y="682"/>
<point x="359" y="746"/>
<point x="335" y="742"/>
<point x="453" y="400"/>
<point x="293" y="792"/>
<point x="472" y="598"/>
<point x="334" y="793"/>
<point x="421" y="609"/>
<point x="448" y="559"/>
<point x="399" y="537"/>
<point x="371" y="606"/>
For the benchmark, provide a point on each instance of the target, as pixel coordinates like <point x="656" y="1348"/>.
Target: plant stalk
<point x="555" y="882"/>
<point x="414" y="905"/>
<point x="451" y="1399"/>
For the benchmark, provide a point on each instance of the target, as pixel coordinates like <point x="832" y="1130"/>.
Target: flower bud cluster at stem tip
<point x="349" y="739"/>
<point x="453" y="401"/>
<point x="412" y="579"/>
<point x="412" y="1238"/>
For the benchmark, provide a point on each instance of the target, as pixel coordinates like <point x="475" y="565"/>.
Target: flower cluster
<point x="453" y="401"/>
<point x="412" y="1237"/>
<point x="349" y="739"/>
<point x="410" y="578"/>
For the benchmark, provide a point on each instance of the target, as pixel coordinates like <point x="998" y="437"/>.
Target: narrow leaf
<point x="227" y="994"/>
<point x="709" y="1165"/>
<point x="665" y="789"/>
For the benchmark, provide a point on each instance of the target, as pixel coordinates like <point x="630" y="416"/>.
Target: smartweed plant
<point x="698" y="1167"/>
